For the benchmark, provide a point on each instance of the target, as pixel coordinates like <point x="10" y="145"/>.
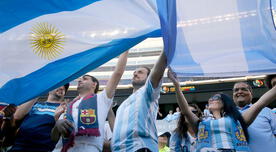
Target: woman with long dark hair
<point x="227" y="130"/>
<point x="183" y="138"/>
<point x="180" y="141"/>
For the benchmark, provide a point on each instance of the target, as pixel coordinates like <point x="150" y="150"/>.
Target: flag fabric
<point x="219" y="37"/>
<point x="45" y="44"/>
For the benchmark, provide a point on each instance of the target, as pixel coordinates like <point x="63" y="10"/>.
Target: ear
<point x="94" y="84"/>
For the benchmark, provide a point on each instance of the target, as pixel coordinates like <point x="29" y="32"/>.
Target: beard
<point x="138" y="84"/>
<point x="82" y="89"/>
<point x="57" y="97"/>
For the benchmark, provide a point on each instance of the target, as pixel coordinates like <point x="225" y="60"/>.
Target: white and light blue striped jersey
<point x="44" y="108"/>
<point x="221" y="133"/>
<point x="135" y="123"/>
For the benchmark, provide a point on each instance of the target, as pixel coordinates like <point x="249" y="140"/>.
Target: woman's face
<point x="215" y="103"/>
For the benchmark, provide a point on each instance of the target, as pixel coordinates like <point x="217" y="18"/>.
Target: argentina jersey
<point x="44" y="108"/>
<point x="135" y="121"/>
<point x="221" y="133"/>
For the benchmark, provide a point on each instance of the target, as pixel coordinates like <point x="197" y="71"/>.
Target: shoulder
<point x="265" y="111"/>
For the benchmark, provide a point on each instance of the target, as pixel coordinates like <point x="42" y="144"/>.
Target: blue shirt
<point x="135" y="124"/>
<point x="35" y="131"/>
<point x="262" y="130"/>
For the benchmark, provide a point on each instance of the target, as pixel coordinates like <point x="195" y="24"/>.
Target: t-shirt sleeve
<point x="33" y="109"/>
<point x="272" y="121"/>
<point x="104" y="98"/>
<point x="107" y="132"/>
<point x="153" y="93"/>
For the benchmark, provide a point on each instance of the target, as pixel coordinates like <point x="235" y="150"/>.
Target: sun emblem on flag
<point x="46" y="40"/>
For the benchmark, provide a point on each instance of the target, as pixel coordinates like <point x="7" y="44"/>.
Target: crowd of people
<point x="228" y="124"/>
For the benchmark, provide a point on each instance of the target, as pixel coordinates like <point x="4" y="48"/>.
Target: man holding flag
<point x="38" y="119"/>
<point x="135" y="123"/>
<point x="83" y="126"/>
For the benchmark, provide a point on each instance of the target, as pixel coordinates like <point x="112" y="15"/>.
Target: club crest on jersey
<point x="240" y="134"/>
<point x="88" y="116"/>
<point x="202" y="133"/>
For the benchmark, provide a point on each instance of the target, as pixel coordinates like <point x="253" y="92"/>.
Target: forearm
<point x="250" y="115"/>
<point x="111" y="119"/>
<point x="158" y="70"/>
<point x="116" y="75"/>
<point x="184" y="106"/>
<point x="24" y="109"/>
<point x="121" y="64"/>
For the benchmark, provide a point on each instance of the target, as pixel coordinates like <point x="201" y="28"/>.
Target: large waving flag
<point x="46" y="43"/>
<point x="219" y="37"/>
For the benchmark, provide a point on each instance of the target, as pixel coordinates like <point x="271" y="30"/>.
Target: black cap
<point x="165" y="134"/>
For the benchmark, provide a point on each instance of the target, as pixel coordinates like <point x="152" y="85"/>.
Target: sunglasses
<point x="194" y="111"/>
<point x="215" y="98"/>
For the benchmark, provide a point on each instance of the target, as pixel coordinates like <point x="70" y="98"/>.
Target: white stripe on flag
<point x="203" y="34"/>
<point x="85" y="28"/>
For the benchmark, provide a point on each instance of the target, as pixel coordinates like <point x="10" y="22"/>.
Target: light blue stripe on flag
<point x="258" y="45"/>
<point x="172" y="40"/>
<point x="79" y="39"/>
<point x="15" y="12"/>
<point x="220" y="38"/>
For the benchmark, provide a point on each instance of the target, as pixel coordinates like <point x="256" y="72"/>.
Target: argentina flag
<point x="219" y="38"/>
<point x="47" y="43"/>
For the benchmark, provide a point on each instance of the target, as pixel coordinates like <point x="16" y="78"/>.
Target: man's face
<point x="140" y="76"/>
<point x="241" y="94"/>
<point x="85" y="83"/>
<point x="273" y="82"/>
<point x="58" y="93"/>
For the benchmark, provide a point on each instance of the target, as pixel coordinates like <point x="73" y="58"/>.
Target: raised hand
<point x="60" y="109"/>
<point x="9" y="110"/>
<point x="172" y="76"/>
<point x="64" y="127"/>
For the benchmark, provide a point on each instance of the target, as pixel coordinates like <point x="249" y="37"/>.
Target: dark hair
<point x="231" y="110"/>
<point x="182" y="127"/>
<point x="66" y="86"/>
<point x="248" y="86"/>
<point x="147" y="68"/>
<point x="94" y="80"/>
<point x="199" y="112"/>
<point x="268" y="79"/>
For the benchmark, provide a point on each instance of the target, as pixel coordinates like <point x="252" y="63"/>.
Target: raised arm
<point x="158" y="70"/>
<point x="183" y="104"/>
<point x="250" y="115"/>
<point x="111" y="118"/>
<point x="116" y="75"/>
<point x="24" y="109"/>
